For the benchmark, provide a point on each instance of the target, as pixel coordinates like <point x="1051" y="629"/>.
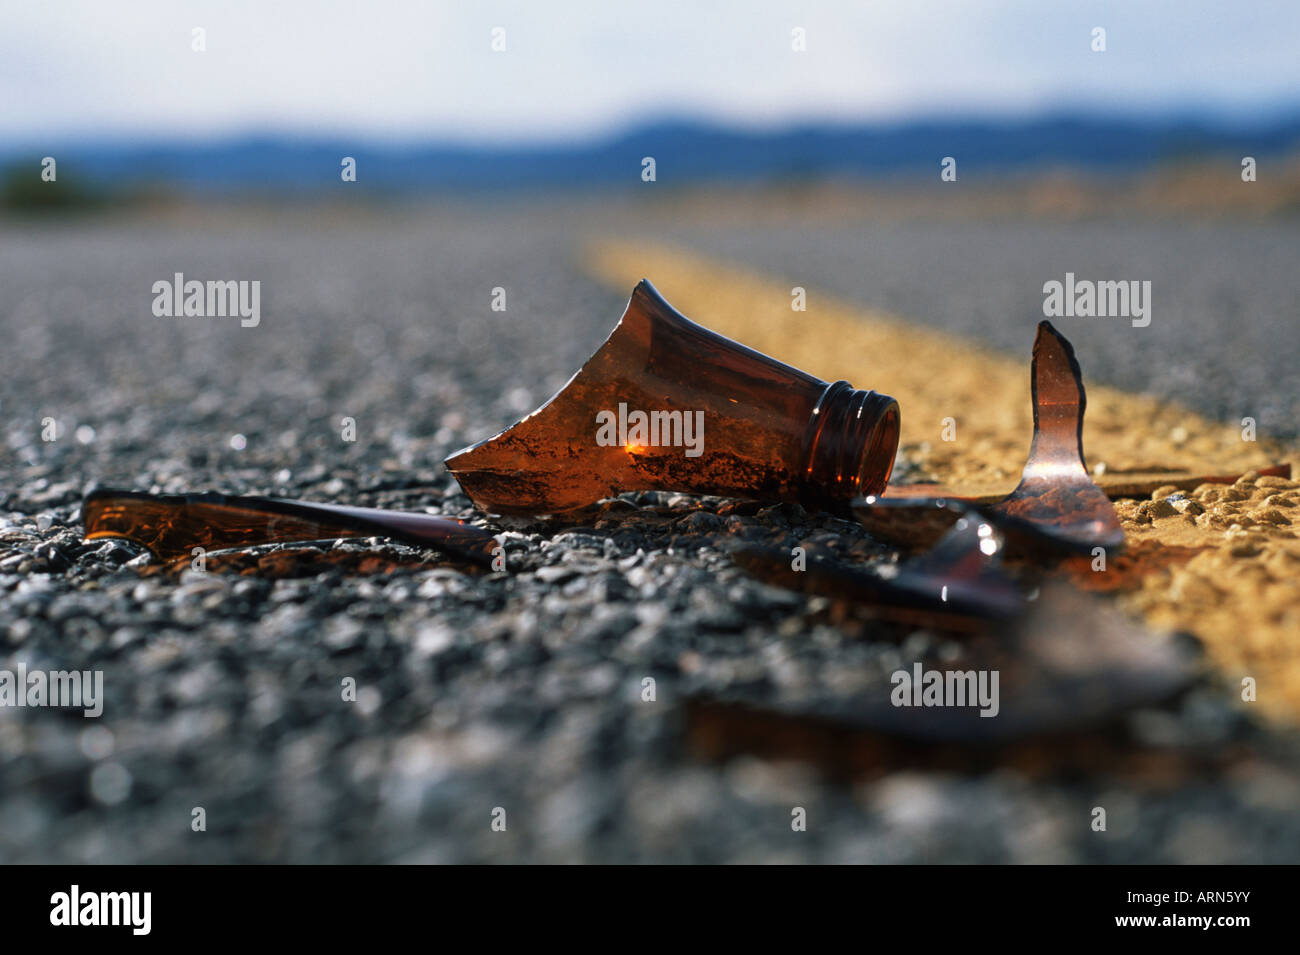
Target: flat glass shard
<point x="1115" y="484"/>
<point x="914" y="523"/>
<point x="1119" y="484"/>
<point x="958" y="586"/>
<point x="1072" y="663"/>
<point x="721" y="731"/>
<point x="170" y="526"/>
<point x="667" y="405"/>
<point x="1056" y="507"/>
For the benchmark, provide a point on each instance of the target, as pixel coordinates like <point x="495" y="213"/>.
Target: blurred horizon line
<point x="1263" y="118"/>
<point x="685" y="151"/>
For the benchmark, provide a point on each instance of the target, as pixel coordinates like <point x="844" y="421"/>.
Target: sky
<point x="404" y="70"/>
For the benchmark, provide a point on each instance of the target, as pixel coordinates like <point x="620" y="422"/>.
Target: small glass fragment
<point x="1056" y="506"/>
<point x="170" y="526"/>
<point x="665" y="404"/>
<point x="957" y="586"/>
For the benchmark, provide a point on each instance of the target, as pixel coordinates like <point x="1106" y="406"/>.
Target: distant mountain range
<point x="684" y="153"/>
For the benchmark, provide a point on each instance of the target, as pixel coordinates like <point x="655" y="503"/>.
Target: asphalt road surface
<point x="482" y="698"/>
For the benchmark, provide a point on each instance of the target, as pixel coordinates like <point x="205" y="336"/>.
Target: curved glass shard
<point x="1055" y="495"/>
<point x="1056" y="507"/>
<point x="957" y="586"/>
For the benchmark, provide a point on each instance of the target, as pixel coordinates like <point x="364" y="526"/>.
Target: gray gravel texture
<point x="475" y="692"/>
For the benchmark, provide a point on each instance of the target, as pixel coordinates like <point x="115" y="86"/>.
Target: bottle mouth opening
<point x="851" y="445"/>
<point x="879" y="450"/>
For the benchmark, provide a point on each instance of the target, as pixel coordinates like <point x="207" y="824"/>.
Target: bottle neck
<point x="848" y="447"/>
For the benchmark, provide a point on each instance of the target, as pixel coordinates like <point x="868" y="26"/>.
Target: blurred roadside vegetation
<point x="24" y="193"/>
<point x="1197" y="188"/>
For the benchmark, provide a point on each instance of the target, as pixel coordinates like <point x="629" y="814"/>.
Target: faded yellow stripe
<point x="1242" y="596"/>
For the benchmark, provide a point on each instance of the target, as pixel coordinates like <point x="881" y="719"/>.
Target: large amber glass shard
<point x="1072" y="662"/>
<point x="172" y="525"/>
<point x="1056" y="506"/>
<point x="665" y="404"/>
<point x="958" y="586"/>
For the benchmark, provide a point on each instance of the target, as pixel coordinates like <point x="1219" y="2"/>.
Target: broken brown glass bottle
<point x="170" y="526"/>
<point x="667" y="405"/>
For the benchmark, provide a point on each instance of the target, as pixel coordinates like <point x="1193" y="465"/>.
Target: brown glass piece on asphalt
<point x="957" y="586"/>
<point x="172" y="525"/>
<point x="1072" y="663"/>
<point x="1056" y="507"/>
<point x="771" y="432"/>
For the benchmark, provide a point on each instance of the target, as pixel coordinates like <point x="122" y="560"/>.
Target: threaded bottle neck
<point x="849" y="446"/>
